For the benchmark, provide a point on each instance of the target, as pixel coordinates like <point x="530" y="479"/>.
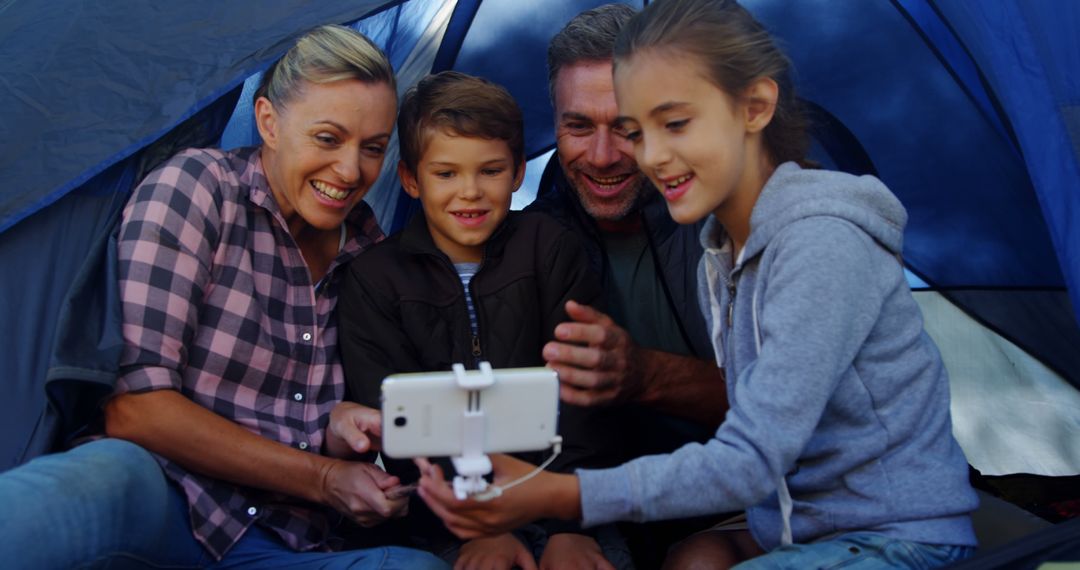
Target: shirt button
<point x="252" y="511"/>
<point x="306" y="336"/>
<point x="298" y="396"/>
<point x="303" y="445"/>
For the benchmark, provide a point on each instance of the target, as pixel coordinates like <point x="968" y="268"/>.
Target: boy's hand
<point x="547" y="495"/>
<point x="353" y="429"/>
<point x="596" y="360"/>
<point x="501" y="552"/>
<point x="573" y="552"/>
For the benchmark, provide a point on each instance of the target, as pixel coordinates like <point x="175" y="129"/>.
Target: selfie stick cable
<point x="494" y="491"/>
<point x="473" y="463"/>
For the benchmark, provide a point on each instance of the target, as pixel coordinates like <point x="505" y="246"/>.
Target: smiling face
<point x="464" y="185"/>
<point x="323" y="150"/>
<point x="597" y="160"/>
<point x="699" y="146"/>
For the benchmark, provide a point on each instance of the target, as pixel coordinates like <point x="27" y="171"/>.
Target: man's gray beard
<point x="641" y="197"/>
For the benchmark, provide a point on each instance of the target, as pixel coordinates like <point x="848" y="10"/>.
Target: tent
<point x="967" y="110"/>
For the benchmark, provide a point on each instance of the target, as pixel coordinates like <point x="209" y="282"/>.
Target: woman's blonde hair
<point x="326" y="54"/>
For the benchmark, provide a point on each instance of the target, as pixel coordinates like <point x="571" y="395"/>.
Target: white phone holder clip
<point x="473" y="463"/>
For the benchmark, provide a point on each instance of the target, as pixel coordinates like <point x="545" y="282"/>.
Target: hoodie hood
<point x="793" y="193"/>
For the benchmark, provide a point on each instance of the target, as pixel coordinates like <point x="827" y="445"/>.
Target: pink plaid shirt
<point x="219" y="306"/>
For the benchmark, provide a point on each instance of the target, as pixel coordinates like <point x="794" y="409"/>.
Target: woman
<point x="229" y="271"/>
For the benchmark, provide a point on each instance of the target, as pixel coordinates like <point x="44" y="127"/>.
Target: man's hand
<point x="501" y="552"/>
<point x="573" y="552"/>
<point x="596" y="360"/>
<point x="353" y="429"/>
<point x="359" y="491"/>
<point x="547" y="495"/>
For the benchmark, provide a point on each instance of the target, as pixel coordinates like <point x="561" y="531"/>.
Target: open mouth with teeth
<point x="674" y="188"/>
<point x="608" y="184"/>
<point x="331" y="192"/>
<point x="609" y="180"/>
<point x="470" y="217"/>
<point x="678" y="181"/>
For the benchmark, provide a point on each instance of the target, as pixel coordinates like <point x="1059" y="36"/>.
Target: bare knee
<point x="711" y="550"/>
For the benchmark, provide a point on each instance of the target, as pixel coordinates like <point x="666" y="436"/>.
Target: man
<point x="651" y="350"/>
<point x="647" y="366"/>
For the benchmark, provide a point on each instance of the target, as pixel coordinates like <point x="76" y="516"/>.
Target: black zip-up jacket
<point x="676" y="250"/>
<point x="402" y="309"/>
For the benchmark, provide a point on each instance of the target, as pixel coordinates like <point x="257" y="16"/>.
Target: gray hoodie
<point x="839" y="418"/>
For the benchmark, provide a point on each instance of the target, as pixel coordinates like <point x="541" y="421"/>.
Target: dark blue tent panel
<point x="959" y="179"/>
<point x="1029" y="53"/>
<point x="88" y="84"/>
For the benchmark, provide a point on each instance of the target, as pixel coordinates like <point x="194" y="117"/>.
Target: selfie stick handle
<point x="473" y="463"/>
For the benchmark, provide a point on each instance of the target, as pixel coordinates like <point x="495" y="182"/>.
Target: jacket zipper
<point x="476" y="346"/>
<point x="467" y="291"/>
<point x="477" y="353"/>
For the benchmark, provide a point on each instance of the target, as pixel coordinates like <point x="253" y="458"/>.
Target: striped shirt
<point x="219" y="305"/>
<point x="465" y="272"/>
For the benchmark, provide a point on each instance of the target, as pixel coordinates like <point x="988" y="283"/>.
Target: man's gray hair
<point x="589" y="36"/>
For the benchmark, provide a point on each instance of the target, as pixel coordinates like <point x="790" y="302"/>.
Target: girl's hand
<point x="501" y="552"/>
<point x="548" y="495"/>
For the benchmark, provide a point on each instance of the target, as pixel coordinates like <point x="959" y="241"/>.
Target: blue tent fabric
<point x="39" y="263"/>
<point x="124" y="73"/>
<point x="921" y="130"/>
<point x="86" y="349"/>
<point x="1030" y="55"/>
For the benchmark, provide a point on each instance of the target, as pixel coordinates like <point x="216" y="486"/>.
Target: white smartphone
<point x="423" y="413"/>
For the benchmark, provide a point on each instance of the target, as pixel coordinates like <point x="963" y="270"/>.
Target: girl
<point x="838" y="441"/>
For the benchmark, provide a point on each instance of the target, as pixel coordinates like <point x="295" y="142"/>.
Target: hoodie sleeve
<point x="818" y="308"/>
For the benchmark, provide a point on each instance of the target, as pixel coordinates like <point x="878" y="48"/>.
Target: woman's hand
<point x="501" y="552"/>
<point x="353" y="429"/>
<point x="573" y="552"/>
<point x="359" y="491"/>
<point x="548" y="495"/>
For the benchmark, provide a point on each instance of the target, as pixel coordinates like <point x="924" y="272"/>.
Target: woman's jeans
<point x="107" y="504"/>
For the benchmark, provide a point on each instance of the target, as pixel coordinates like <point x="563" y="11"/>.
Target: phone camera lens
<point x="400" y="421"/>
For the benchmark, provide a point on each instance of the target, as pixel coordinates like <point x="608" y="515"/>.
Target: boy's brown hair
<point x="462" y="105"/>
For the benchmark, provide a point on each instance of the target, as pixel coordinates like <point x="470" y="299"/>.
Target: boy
<point x="467" y="280"/>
